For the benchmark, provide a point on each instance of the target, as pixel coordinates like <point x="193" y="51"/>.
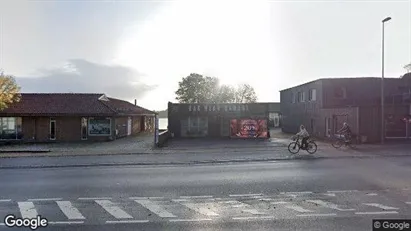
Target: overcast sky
<point x="141" y="49"/>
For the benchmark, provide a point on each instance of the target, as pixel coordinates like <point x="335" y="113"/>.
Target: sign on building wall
<point x="218" y="108"/>
<point x="248" y="128"/>
<point x="99" y="127"/>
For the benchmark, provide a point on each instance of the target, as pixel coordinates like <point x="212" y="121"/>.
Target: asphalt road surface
<point x="312" y="194"/>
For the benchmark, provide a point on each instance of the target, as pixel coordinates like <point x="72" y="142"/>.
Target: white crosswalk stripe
<point x="198" y="208"/>
<point x="328" y="205"/>
<point x="381" y="206"/>
<point x="153" y="207"/>
<point x="113" y="209"/>
<point x="298" y="208"/>
<point x="71" y="212"/>
<point x="27" y="209"/>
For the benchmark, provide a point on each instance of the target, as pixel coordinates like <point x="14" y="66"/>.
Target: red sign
<point x="249" y="128"/>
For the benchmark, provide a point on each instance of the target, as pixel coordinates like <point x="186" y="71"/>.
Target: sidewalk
<point x="273" y="148"/>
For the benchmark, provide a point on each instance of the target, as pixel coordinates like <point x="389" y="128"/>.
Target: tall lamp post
<point x="382" y="83"/>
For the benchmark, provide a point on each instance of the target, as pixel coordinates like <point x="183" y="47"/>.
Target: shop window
<point x="10" y="128"/>
<point x="194" y="126"/>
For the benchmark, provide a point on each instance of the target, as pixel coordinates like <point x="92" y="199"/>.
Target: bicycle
<point x="294" y="147"/>
<point x="339" y="141"/>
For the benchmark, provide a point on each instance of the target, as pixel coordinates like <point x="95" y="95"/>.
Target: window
<point x="52" y="129"/>
<point x="300" y="96"/>
<point x="340" y="92"/>
<point x="10" y="128"/>
<point x="292" y="98"/>
<point x="194" y="126"/>
<point x="312" y="95"/>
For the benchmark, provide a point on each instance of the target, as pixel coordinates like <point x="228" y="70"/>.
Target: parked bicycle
<point x="295" y="146"/>
<point x="339" y="140"/>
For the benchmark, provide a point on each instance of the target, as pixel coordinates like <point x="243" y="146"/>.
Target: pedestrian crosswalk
<point x="60" y="211"/>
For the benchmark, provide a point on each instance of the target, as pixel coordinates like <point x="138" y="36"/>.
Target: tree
<point x="196" y="88"/>
<point x="408" y="68"/>
<point x="9" y="91"/>
<point x="245" y="94"/>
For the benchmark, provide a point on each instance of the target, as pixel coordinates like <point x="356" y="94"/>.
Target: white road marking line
<point x="279" y="202"/>
<point x="94" y="198"/>
<point x="44" y="199"/>
<point x="113" y="209"/>
<point x="2" y="224"/>
<point x="342" y="191"/>
<point x="195" y="197"/>
<point x="306" y="192"/>
<point x="145" y="198"/>
<point x="330" y="194"/>
<point x="180" y="200"/>
<point x="317" y="215"/>
<point x="238" y="204"/>
<point x="182" y="220"/>
<point x="158" y="210"/>
<point x="201" y="210"/>
<point x="27" y="209"/>
<point x="65" y="222"/>
<point x="298" y="209"/>
<point x="245" y="195"/>
<point x="5" y="200"/>
<point x="328" y="205"/>
<point x="372" y="194"/>
<point x="250" y="218"/>
<point x="254" y="211"/>
<point x="127" y="221"/>
<point x="266" y="199"/>
<point x="71" y="212"/>
<point x="409" y="203"/>
<point x="376" y="213"/>
<point x="380" y="206"/>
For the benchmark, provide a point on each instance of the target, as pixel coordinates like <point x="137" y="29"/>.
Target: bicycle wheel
<point x="337" y="143"/>
<point x="294" y="147"/>
<point x="311" y="147"/>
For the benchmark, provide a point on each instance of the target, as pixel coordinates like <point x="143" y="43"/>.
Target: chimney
<point x="135" y="102"/>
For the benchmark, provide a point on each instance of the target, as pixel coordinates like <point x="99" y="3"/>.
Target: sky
<point x="142" y="49"/>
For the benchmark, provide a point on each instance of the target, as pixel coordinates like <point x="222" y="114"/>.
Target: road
<point x="307" y="194"/>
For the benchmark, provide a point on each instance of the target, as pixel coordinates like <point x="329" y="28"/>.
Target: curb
<point x="296" y="158"/>
<point x="25" y="151"/>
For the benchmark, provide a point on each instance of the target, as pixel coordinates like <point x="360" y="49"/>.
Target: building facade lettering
<point x="218" y="108"/>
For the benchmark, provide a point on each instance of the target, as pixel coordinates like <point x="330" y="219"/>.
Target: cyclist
<point x="304" y="134"/>
<point x="346" y="132"/>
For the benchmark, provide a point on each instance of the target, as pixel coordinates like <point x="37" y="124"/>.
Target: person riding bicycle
<point x="304" y="134"/>
<point x="346" y="132"/>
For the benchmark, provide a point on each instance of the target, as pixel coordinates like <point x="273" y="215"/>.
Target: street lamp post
<point x="382" y="84"/>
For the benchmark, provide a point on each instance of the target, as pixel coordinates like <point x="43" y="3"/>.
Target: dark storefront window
<point x="10" y="128"/>
<point x="194" y="126"/>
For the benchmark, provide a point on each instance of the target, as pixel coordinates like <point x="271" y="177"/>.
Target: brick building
<point x="72" y="117"/>
<point x="248" y="120"/>
<point x="324" y="104"/>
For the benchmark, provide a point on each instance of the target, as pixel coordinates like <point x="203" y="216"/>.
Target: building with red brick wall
<point x="72" y="117"/>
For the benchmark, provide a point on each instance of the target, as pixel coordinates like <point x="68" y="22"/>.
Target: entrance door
<point x="52" y="129"/>
<point x="84" y="128"/>
<point x="129" y="125"/>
